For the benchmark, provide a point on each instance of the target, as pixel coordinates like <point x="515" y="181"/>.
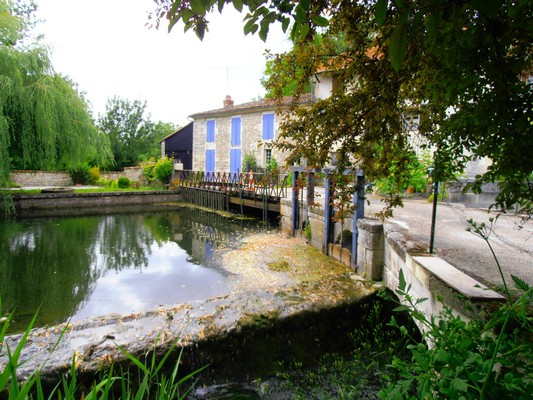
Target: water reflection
<point x="88" y="266"/>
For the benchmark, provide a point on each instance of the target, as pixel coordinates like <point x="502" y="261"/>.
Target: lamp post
<point x="434" y="211"/>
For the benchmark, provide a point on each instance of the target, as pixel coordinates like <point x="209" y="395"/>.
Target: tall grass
<point x="147" y="378"/>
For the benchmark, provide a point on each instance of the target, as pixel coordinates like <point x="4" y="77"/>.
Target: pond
<point x="80" y="267"/>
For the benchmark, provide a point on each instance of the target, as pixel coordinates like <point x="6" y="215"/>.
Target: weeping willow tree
<point x="44" y="122"/>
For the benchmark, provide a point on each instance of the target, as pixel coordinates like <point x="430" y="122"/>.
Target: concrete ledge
<point x="371" y="225"/>
<point x="61" y="204"/>
<point x="457" y="280"/>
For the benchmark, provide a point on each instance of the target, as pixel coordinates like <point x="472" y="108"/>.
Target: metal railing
<point x="269" y="183"/>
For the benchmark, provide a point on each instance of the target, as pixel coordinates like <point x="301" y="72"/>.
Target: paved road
<point x="512" y="241"/>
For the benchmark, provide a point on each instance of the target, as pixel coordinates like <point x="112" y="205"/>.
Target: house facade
<point x="179" y="146"/>
<point x="225" y="136"/>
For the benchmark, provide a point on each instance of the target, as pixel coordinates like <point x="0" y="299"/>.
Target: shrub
<point x="104" y="182"/>
<point x="163" y="169"/>
<point x="272" y="165"/>
<point x="415" y="177"/>
<point x="79" y="174"/>
<point x="148" y="171"/>
<point x="94" y="175"/>
<point x="123" y="182"/>
<point x="249" y="163"/>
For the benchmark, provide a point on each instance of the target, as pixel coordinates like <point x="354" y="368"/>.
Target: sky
<point x="105" y="47"/>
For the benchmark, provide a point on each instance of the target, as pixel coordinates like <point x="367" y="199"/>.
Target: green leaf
<point x="200" y="30"/>
<point x="305" y="4"/>
<point x="401" y="284"/>
<point x="487" y="7"/>
<point x="220" y="5"/>
<point x="238" y="5"/>
<point x="248" y="27"/>
<point x="459" y="384"/>
<point x="401" y="308"/>
<point x="434" y="21"/>
<point x="263" y="32"/>
<point x="187" y="15"/>
<point x="381" y="11"/>
<point x="320" y="20"/>
<point x="520" y="284"/>
<point x="197" y="7"/>
<point x="304" y="30"/>
<point x="285" y="24"/>
<point x="398" y="46"/>
<point x="133" y="359"/>
<point x="301" y="15"/>
<point x="442" y="355"/>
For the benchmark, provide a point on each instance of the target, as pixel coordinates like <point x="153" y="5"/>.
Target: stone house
<point x="223" y="137"/>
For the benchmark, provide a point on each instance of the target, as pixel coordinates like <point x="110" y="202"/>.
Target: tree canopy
<point x="44" y="122"/>
<point x="464" y="64"/>
<point x="133" y="135"/>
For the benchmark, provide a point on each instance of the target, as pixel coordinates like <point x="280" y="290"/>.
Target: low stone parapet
<point x="385" y="251"/>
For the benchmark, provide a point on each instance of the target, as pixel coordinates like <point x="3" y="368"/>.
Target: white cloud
<point x="105" y="47"/>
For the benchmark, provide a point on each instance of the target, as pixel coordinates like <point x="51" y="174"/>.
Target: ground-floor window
<point x="268" y="155"/>
<point x="210" y="160"/>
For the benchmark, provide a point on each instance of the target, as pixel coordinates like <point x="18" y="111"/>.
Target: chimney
<point x="228" y="102"/>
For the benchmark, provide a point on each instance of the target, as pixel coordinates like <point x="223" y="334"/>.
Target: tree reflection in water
<point x="85" y="266"/>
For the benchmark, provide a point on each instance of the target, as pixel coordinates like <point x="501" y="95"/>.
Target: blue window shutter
<point x="268" y="126"/>
<point x="235" y="160"/>
<point x="236" y="132"/>
<point x="210" y="161"/>
<point x="210" y="131"/>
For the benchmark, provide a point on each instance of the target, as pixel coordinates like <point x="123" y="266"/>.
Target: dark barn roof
<point x="180" y="130"/>
<point x="179" y="145"/>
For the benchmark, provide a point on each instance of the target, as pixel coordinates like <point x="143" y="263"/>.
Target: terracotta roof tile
<point x="253" y="106"/>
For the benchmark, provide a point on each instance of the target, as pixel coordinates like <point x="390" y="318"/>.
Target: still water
<point x="75" y="268"/>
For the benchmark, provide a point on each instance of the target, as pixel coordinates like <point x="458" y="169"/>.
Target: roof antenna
<point x="227" y="79"/>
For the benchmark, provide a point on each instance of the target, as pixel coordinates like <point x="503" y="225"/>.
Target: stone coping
<point x="92" y="343"/>
<point x="458" y="280"/>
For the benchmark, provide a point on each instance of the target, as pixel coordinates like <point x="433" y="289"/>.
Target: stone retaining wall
<point x="62" y="178"/>
<point x="455" y="193"/>
<point x="60" y="204"/>
<point x="132" y="173"/>
<point x="41" y="178"/>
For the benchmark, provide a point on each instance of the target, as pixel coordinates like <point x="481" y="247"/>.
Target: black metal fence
<point x="267" y="184"/>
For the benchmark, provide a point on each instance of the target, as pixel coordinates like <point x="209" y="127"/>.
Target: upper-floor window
<point x="210" y="136"/>
<point x="235" y="131"/>
<point x="268" y="126"/>
<point x="411" y="120"/>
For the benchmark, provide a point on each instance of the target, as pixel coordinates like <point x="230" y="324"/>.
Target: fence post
<point x="359" y="212"/>
<point x="295" y="204"/>
<point x="328" y="212"/>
